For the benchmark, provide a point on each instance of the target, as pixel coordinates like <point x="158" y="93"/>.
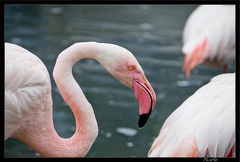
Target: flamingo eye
<point x="131" y="68"/>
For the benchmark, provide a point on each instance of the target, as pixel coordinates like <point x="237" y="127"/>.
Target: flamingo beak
<point x="145" y="95"/>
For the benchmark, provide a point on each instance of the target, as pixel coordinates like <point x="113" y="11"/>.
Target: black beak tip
<point x="143" y="119"/>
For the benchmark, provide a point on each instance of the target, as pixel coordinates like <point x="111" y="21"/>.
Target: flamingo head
<point x="124" y="66"/>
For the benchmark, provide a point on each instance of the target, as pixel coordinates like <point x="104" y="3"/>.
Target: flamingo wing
<point x="209" y="36"/>
<point x="204" y="125"/>
<point x="25" y="83"/>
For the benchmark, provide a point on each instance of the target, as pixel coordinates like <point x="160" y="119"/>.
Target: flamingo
<point x="203" y="125"/>
<point x="29" y="105"/>
<point x="209" y="37"/>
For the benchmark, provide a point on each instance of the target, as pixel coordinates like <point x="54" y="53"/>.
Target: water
<point x="152" y="33"/>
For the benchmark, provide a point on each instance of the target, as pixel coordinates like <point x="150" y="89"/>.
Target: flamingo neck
<point x="86" y="124"/>
<point x="48" y="142"/>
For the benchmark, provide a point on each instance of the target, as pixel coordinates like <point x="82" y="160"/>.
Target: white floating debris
<point x="108" y="135"/>
<point x="73" y="129"/>
<point x="56" y="10"/>
<point x="127" y="131"/>
<point x="130" y="144"/>
<point x="185" y="83"/>
<point x="146" y="26"/>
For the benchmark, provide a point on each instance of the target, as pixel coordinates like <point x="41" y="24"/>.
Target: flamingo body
<point x="28" y="99"/>
<point x="203" y="125"/>
<point x="26" y="84"/>
<point x="209" y="37"/>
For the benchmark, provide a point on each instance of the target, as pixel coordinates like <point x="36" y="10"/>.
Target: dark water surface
<point x="153" y="33"/>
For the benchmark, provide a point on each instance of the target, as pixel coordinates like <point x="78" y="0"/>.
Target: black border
<point x="236" y="2"/>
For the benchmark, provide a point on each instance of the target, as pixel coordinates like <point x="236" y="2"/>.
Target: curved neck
<point x="86" y="124"/>
<point x="50" y="144"/>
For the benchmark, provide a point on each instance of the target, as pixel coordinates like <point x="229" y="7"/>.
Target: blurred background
<point x="153" y="33"/>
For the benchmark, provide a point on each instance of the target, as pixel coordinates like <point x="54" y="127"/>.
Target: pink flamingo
<point x="28" y="100"/>
<point x="209" y="37"/>
<point x="203" y="125"/>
